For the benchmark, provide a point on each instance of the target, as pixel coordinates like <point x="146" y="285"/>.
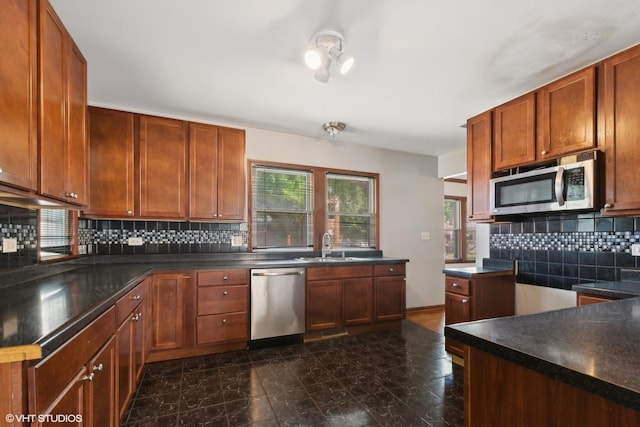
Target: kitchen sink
<point x="332" y="259"/>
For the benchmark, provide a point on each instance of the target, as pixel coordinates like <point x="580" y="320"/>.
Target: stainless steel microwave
<point x="559" y="188"/>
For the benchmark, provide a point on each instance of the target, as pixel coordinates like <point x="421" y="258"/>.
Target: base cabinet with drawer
<point x="389" y="292"/>
<point x="479" y="296"/>
<point x="77" y="380"/>
<point x="222" y="307"/>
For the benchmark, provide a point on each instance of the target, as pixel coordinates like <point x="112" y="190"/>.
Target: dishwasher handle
<point x="270" y="274"/>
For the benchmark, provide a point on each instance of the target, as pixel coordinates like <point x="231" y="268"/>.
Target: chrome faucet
<point x="326" y="244"/>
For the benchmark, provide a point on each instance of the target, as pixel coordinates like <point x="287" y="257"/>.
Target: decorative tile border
<point x="598" y="241"/>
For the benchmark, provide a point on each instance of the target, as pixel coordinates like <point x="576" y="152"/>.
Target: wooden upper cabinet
<point x="479" y="133"/>
<point x="231" y="174"/>
<point x="162" y="168"/>
<point x="18" y="109"/>
<point x="566" y="115"/>
<point x="63" y="105"/>
<point x="217" y="185"/>
<point x="514" y="133"/>
<point x="622" y="127"/>
<point x="111" y="157"/>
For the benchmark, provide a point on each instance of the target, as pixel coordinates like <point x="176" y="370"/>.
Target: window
<point x="351" y="211"/>
<point x="282" y="207"/>
<point x="56" y="234"/>
<point x="459" y="235"/>
<point x="292" y="206"/>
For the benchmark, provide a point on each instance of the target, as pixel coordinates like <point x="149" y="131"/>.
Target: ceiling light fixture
<point x="326" y="47"/>
<point x="333" y="128"/>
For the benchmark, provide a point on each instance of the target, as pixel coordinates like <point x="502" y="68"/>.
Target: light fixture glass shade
<point x="345" y="63"/>
<point x="322" y="74"/>
<point x="313" y="59"/>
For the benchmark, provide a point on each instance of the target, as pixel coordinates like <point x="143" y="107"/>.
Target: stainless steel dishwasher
<point x="277" y="302"/>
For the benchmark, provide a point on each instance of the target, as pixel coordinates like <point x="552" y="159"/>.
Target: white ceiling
<point x="422" y="67"/>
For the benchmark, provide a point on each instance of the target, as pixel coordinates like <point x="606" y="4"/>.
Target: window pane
<point x="281" y="207"/>
<point x="351" y="210"/>
<point x="452" y="229"/>
<point x="471" y="241"/>
<point x="55" y="234"/>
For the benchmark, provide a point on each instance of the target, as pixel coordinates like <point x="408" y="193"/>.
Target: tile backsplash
<point x="562" y="250"/>
<point x="110" y="237"/>
<point x="21" y="224"/>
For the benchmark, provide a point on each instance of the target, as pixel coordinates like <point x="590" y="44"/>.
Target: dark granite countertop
<point x="594" y="348"/>
<point x="627" y="287"/>
<point x="45" y="306"/>
<point x="489" y="266"/>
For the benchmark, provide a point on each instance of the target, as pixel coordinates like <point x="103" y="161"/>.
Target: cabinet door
<point x="323" y="304"/>
<point x="18" y="114"/>
<point x="70" y="402"/>
<point x="479" y="134"/>
<point x="358" y="301"/>
<point x="457" y="308"/>
<point x="622" y="127"/>
<point x="111" y="178"/>
<point x="566" y="115"/>
<point x="231" y="175"/>
<point x="163" y="179"/>
<point x="514" y="133"/>
<point x="53" y="153"/>
<point x="76" y="119"/>
<point x="390" y="301"/>
<point x="139" y="338"/>
<point x="101" y="405"/>
<point x="203" y="171"/>
<point x="124" y="365"/>
<point x="172" y="308"/>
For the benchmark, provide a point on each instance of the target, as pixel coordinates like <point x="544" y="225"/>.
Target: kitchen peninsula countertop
<point x="627" y="287"/>
<point x="489" y="266"/>
<point x="594" y="348"/>
<point x="44" y="306"/>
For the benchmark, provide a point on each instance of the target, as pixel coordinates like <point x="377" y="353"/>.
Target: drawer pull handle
<point x="225" y="293"/>
<point x="88" y="377"/>
<point x="136" y="317"/>
<point x="136" y="297"/>
<point x="98" y="368"/>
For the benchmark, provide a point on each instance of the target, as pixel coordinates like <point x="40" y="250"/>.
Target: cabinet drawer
<point x="126" y="304"/>
<point x="457" y="285"/>
<point x="223" y="277"/>
<point x="343" y="272"/>
<point x="217" y="328"/>
<point x="222" y="299"/>
<point x="49" y="377"/>
<point x="389" y="270"/>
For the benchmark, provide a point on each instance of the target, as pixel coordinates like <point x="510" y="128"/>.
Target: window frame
<point x="319" y="175"/>
<point x="462" y="235"/>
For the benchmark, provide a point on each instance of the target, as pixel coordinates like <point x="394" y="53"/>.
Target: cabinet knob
<point x="608" y="205"/>
<point x="225" y="278"/>
<point x="224" y="321"/>
<point x="455" y="285"/>
<point x="225" y="293"/>
<point x="136" y="297"/>
<point x="136" y="317"/>
<point x="98" y="368"/>
<point x="543" y="152"/>
<point x="466" y="300"/>
<point x="88" y="377"/>
<point x="391" y="269"/>
<point x="129" y="212"/>
<point x="1" y="170"/>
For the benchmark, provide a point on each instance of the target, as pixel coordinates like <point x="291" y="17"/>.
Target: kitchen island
<point x="572" y="367"/>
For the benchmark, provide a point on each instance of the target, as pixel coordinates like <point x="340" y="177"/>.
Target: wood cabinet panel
<point x="582" y="299"/>
<point x="18" y="80"/>
<point x="479" y="165"/>
<point x="566" y="115"/>
<point x="101" y="399"/>
<point x="63" y="105"/>
<point x="220" y="328"/>
<point x="231" y="170"/>
<point x="70" y="401"/>
<point x="163" y="168"/>
<point x="622" y="127"/>
<point x="457" y="285"/>
<point x="111" y="157"/>
<point x="223" y="277"/>
<point x="323" y="304"/>
<point x="172" y="311"/>
<point x="514" y="132"/>
<point x="457" y="308"/>
<point x="390" y="301"/>
<point x="341" y="272"/>
<point x="203" y="170"/>
<point x="358" y="301"/>
<point x="222" y="299"/>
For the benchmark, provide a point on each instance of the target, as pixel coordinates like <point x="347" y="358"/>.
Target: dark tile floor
<point x="390" y="378"/>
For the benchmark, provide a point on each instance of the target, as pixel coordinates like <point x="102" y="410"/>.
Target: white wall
<point x="411" y="198"/>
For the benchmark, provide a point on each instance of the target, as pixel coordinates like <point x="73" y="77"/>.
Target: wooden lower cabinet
<point x="354" y="296"/>
<point x="586" y="299"/>
<point x="131" y="343"/>
<point x="172" y="311"/>
<point x="481" y="296"/>
<point x="77" y="380"/>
